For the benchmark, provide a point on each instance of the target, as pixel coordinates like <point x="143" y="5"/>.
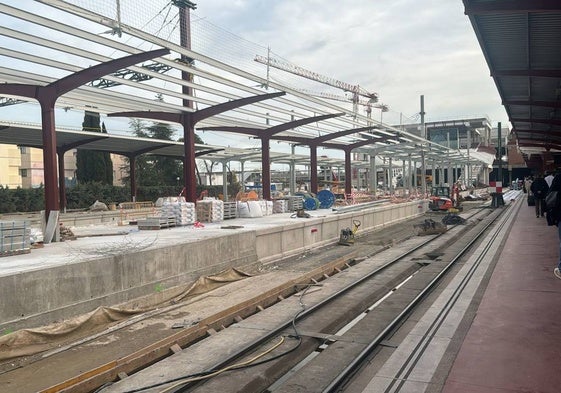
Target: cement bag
<point x="255" y="209"/>
<point x="263" y="205"/>
<point x="243" y="210"/>
<point x="269" y="205"/>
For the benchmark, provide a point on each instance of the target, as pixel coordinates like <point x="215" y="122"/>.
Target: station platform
<point x="494" y="326"/>
<point x="514" y="342"/>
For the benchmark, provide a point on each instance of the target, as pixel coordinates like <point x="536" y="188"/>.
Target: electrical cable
<point x="232" y="367"/>
<point x="246" y="364"/>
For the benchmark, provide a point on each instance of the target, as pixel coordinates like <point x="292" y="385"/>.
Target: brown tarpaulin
<point x="27" y="342"/>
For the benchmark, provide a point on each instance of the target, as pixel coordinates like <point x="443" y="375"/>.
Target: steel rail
<point x="342" y="377"/>
<point x="276" y="331"/>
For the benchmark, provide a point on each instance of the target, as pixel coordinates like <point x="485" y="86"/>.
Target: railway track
<point x="379" y="272"/>
<point x="318" y="344"/>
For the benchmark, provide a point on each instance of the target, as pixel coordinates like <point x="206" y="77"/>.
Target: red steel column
<point x="132" y="172"/>
<point x="266" y="168"/>
<point x="313" y="169"/>
<point x="49" y="155"/>
<point x="348" y="173"/>
<point x="61" y="179"/>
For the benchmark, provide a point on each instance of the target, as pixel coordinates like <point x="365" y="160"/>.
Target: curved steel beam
<point x="203" y="152"/>
<point x="68" y="146"/>
<point x="226" y="106"/>
<point x="188" y="121"/>
<point x="269" y="132"/>
<point x="152" y="115"/>
<point x="239" y="130"/>
<point x="79" y="78"/>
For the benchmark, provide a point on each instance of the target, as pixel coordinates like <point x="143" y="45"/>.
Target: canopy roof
<point x="75" y="42"/>
<point x="521" y="41"/>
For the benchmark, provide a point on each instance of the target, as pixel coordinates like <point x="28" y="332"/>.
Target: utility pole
<point x="424" y="135"/>
<point x="189" y="163"/>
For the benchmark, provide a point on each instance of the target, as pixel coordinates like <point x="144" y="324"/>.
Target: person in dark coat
<point x="539" y="188"/>
<point x="554" y="216"/>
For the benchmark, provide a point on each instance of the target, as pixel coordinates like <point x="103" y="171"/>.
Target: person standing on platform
<point x="539" y="189"/>
<point x="549" y="178"/>
<point x="555" y="218"/>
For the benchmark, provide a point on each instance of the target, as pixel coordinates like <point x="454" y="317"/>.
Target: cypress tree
<point x="91" y="165"/>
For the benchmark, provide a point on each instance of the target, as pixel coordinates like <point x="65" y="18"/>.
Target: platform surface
<point x="514" y="343"/>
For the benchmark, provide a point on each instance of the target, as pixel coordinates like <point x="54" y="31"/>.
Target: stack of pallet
<point x="295" y="203"/>
<point x="230" y="210"/>
<point x="15" y="238"/>
<point x="184" y="212"/>
<point x="210" y="210"/>
<point x="152" y="223"/>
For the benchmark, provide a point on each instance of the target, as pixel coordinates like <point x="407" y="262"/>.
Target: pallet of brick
<point x="295" y="203"/>
<point x="15" y="237"/>
<point x="155" y="223"/>
<point x="210" y="210"/>
<point x="230" y="210"/>
<point x="184" y="212"/>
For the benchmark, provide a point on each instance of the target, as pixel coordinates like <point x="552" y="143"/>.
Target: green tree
<point x="167" y="169"/>
<point x="152" y="170"/>
<point x="92" y="166"/>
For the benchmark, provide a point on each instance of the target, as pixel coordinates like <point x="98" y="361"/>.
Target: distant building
<point x="10" y="175"/>
<point x="22" y="166"/>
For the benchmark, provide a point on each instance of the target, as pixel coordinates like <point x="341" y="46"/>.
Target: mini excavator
<point x="441" y="200"/>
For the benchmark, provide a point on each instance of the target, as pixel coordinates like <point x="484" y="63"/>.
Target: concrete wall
<point x="307" y="233"/>
<point x="40" y="297"/>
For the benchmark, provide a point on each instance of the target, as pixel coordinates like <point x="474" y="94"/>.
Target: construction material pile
<point x="210" y="210"/>
<point x="184" y="212"/>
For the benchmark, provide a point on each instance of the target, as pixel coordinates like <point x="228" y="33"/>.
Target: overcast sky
<point x="401" y="49"/>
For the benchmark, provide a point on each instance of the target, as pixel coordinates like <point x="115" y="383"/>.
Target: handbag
<point x="551" y="200"/>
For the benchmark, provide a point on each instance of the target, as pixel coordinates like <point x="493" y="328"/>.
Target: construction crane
<point x="367" y="104"/>
<point x="355" y="90"/>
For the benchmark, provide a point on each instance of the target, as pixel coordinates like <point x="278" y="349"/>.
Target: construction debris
<point x="66" y="233"/>
<point x="430" y="227"/>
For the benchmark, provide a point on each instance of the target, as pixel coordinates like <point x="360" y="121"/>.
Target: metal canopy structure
<point x="521" y="42"/>
<point x="50" y="40"/>
<point x="30" y="135"/>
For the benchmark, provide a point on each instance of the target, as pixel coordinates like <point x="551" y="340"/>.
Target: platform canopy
<point x="521" y="42"/>
<point x="30" y="135"/>
<point x="56" y="38"/>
